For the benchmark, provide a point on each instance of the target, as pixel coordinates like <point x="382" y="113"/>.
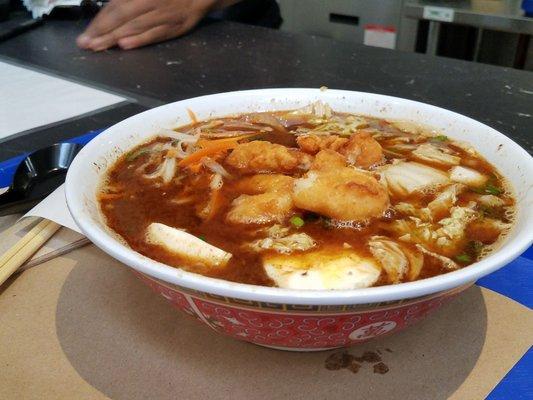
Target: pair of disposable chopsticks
<point x="32" y="241"/>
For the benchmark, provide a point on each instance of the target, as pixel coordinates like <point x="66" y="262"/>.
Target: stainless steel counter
<point x="501" y="15"/>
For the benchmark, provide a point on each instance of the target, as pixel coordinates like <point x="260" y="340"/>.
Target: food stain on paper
<point x="345" y="360"/>
<point x="381" y="368"/>
<point x="369" y="356"/>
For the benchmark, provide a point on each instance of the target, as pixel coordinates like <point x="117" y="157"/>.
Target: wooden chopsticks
<point x="32" y="241"/>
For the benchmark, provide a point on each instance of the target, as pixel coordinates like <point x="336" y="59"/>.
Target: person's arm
<point x="135" y="23"/>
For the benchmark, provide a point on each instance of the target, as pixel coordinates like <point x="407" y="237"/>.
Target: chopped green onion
<point x="202" y="237"/>
<point x="440" y="138"/>
<point x="132" y="156"/>
<point x="491" y="189"/>
<point x="488" y="189"/>
<point x="464" y="258"/>
<point x="297" y="221"/>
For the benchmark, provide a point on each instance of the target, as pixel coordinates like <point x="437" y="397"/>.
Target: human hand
<point x="135" y="23"/>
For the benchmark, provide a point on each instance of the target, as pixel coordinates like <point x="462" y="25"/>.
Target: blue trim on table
<point x="8" y="167"/>
<point x="518" y="383"/>
<point x="514" y="281"/>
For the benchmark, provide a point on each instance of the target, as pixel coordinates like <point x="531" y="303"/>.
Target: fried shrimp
<point x="262" y="183"/>
<point x="362" y="150"/>
<point x="259" y="156"/>
<point x="332" y="189"/>
<point x="265" y="199"/>
<point x="312" y="144"/>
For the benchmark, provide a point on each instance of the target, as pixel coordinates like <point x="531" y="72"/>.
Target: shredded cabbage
<point x="390" y="256"/>
<point x="437" y="155"/>
<point x="404" y="178"/>
<point x="467" y="176"/>
<point x="279" y="240"/>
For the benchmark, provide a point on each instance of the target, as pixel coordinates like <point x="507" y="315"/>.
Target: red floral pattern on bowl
<point x="295" y="327"/>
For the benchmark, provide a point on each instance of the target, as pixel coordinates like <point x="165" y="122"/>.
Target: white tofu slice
<point x="186" y="245"/>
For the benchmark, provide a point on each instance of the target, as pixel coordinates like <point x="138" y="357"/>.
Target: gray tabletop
<point x="224" y="56"/>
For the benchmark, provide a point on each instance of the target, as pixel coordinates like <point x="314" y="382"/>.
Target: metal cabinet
<point x="339" y="19"/>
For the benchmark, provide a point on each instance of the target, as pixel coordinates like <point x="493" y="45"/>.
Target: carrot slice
<point x="210" y="147"/>
<point x="205" y="152"/>
<point x="195" y="168"/>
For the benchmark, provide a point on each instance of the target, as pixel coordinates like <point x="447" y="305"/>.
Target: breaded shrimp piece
<point x="262" y="183"/>
<point x="362" y="150"/>
<point x="260" y="208"/>
<point x="267" y="200"/>
<point x="332" y="189"/>
<point x="312" y="144"/>
<point x="328" y="160"/>
<point x="261" y="156"/>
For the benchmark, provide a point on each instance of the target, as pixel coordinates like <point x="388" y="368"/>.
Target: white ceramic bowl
<point x="90" y="165"/>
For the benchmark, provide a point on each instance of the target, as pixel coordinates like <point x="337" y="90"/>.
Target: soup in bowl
<point x="304" y="219"/>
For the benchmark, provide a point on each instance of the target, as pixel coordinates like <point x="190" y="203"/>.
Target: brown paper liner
<point x="85" y="327"/>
